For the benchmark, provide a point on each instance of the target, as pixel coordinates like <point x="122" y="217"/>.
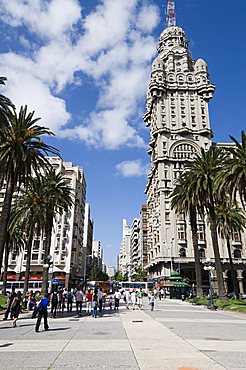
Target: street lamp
<point x="209" y="266"/>
<point x="46" y="265"/>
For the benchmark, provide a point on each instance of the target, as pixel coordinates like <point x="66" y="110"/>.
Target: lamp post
<point x="46" y="265"/>
<point x="171" y="255"/>
<point x="209" y="266"/>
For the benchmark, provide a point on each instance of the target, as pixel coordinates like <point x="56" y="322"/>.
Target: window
<point x="181" y="232"/>
<point x="184" y="151"/>
<point x="202" y="253"/>
<point x="182" y="252"/>
<point x="201" y="232"/>
<point x="237" y="253"/>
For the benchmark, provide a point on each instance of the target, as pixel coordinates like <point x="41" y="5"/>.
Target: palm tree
<point x="14" y="243"/>
<point x="22" y="152"/>
<point x="185" y="202"/>
<point x="234" y="170"/>
<point x="230" y="219"/>
<point x="4" y="101"/>
<point x="59" y="198"/>
<point x="30" y="211"/>
<point x="202" y="173"/>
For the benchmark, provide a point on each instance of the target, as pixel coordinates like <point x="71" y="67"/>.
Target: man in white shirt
<point x="79" y="300"/>
<point x="117" y="297"/>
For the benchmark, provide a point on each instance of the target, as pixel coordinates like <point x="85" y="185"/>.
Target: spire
<point x="171" y="16"/>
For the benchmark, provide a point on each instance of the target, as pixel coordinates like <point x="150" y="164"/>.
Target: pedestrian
<point x="88" y="303"/>
<point x="110" y="302"/>
<point x="16" y="308"/>
<point x="100" y="299"/>
<point x="10" y="300"/>
<point x="54" y="303"/>
<point x="42" y="313"/>
<point x="163" y="295"/>
<point x="117" y="296"/>
<point x="79" y="300"/>
<point x="127" y="298"/>
<point x="94" y="304"/>
<point x="69" y="301"/>
<point x="30" y="297"/>
<point x="140" y="298"/>
<point x="133" y="299"/>
<point x="152" y="301"/>
<point x="155" y="292"/>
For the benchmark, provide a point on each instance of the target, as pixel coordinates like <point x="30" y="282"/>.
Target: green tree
<point x="230" y="219"/>
<point x="22" y="153"/>
<point x="139" y="276"/>
<point x="59" y="198"/>
<point x="186" y="202"/>
<point x="233" y="174"/>
<point x="118" y="276"/>
<point x="203" y="171"/>
<point x="31" y="212"/>
<point x="15" y="244"/>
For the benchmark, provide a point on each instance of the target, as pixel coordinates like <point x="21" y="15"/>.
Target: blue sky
<point x="84" y="67"/>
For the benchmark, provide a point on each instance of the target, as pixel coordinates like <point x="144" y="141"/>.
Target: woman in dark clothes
<point x="16" y="308"/>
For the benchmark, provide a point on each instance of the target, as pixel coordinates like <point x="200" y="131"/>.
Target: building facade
<point x="87" y="242"/>
<point x="177" y="115"/>
<point x="67" y="237"/>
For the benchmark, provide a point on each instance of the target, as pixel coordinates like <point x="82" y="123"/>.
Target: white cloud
<point x="111" y="46"/>
<point x="132" y="168"/>
<point x="46" y="18"/>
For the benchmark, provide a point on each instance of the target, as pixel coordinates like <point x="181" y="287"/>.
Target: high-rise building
<point x="125" y="255"/>
<point x="87" y="241"/>
<point x="67" y="237"/>
<point x="177" y="114"/>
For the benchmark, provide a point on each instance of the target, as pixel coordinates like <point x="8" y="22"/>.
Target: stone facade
<point x="178" y="117"/>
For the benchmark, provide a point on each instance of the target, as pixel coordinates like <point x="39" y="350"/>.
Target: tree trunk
<point x="233" y="272"/>
<point x="4" y="219"/>
<point x="46" y="253"/>
<point x="5" y="272"/>
<point x="218" y="266"/>
<point x="28" y="259"/>
<point x="198" y="269"/>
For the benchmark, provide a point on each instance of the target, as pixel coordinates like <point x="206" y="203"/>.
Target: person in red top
<point x="88" y="303"/>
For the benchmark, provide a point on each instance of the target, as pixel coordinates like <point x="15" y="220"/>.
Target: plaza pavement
<point x="175" y="336"/>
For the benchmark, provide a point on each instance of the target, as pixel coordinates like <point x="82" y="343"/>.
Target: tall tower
<point x="178" y="117"/>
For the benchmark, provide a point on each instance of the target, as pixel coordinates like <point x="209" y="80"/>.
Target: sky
<point x="84" y="67"/>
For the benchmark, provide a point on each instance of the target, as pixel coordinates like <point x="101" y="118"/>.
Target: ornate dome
<point x="201" y="66"/>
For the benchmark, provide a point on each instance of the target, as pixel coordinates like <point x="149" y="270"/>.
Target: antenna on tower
<point x="171" y="16"/>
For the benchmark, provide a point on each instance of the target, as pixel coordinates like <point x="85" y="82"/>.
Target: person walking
<point x="79" y="300"/>
<point x="127" y="298"/>
<point x="94" y="304"/>
<point x="16" y="308"/>
<point x="152" y="301"/>
<point x="89" y="303"/>
<point x="42" y="313"/>
<point x="133" y="299"/>
<point x="100" y="299"/>
<point x="69" y="301"/>
<point x="117" y="297"/>
<point x="140" y="298"/>
<point x="54" y="303"/>
<point x="10" y="300"/>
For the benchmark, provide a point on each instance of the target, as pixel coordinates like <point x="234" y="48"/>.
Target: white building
<point x="125" y="255"/>
<point x="87" y="241"/>
<point x="67" y="237"/>
<point x="97" y="252"/>
<point x="177" y="114"/>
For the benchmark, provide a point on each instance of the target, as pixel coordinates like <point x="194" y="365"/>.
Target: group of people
<point x="95" y="301"/>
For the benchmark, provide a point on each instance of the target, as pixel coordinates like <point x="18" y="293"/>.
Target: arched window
<point x="237" y="253"/>
<point x="184" y="151"/>
<point x="202" y="253"/>
<point x="182" y="252"/>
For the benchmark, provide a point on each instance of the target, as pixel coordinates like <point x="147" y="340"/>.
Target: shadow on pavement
<point x="6" y="345"/>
